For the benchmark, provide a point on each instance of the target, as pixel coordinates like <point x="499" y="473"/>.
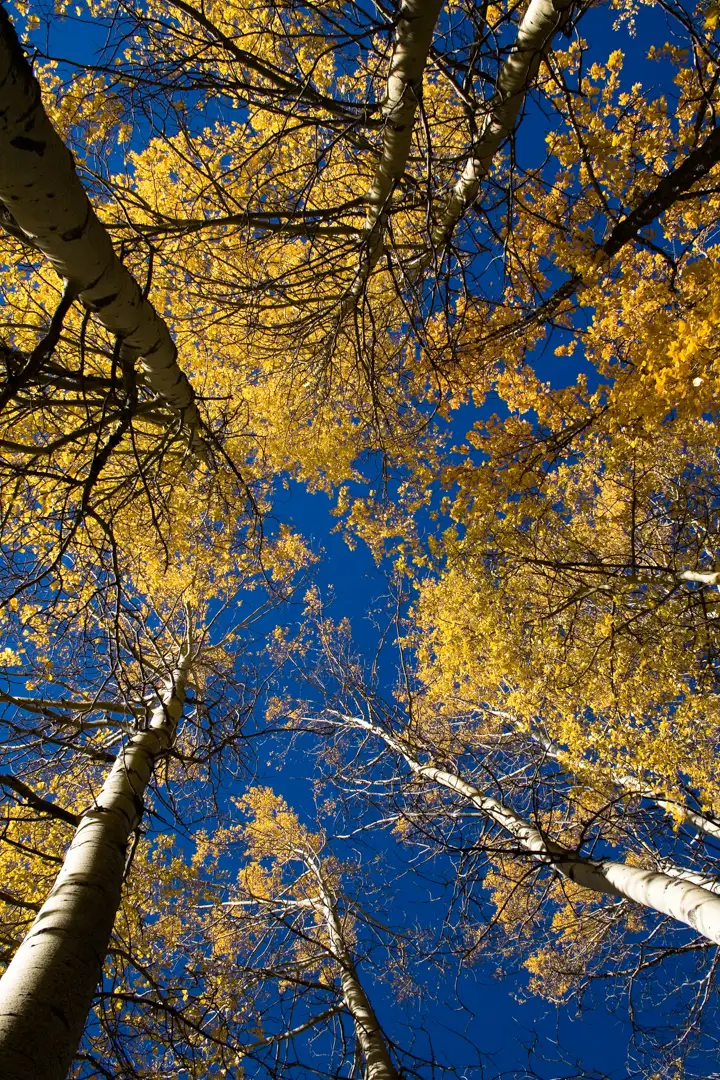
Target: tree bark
<point x="40" y="188"/>
<point x="368" y="1032"/>
<point x="413" y="37"/>
<point x="675" y="896"/>
<point x="695" y="819"/>
<point x="47" y="990"/>
<point x="538" y="25"/>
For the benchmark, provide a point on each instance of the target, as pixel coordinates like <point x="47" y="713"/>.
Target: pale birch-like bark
<point x="413" y="36"/>
<point x="47" y="990"/>
<point x="60" y="704"/>
<point x="676" y="896"/>
<point x="709" y="578"/>
<point x="368" y="1032"/>
<point x="40" y="187"/>
<point x="538" y="25"/>
<point x="371" y="1040"/>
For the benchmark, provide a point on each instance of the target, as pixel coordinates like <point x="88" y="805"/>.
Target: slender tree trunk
<point x="703" y="823"/>
<point x="43" y="194"/>
<point x="368" y="1032"/>
<point x="413" y="36"/>
<point x="677" y="896"/>
<point x="696" y="819"/>
<point x="541" y="20"/>
<point x="47" y="990"/>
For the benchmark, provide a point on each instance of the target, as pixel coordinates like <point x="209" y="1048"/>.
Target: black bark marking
<point x="96" y="281"/>
<point x="33" y="146"/>
<point x="104" y="301"/>
<point x="154" y="348"/>
<point x="77" y="232"/>
<point x="59" y="1015"/>
<point x="73" y="234"/>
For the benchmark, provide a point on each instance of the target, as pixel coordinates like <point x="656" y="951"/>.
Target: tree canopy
<point x="433" y="287"/>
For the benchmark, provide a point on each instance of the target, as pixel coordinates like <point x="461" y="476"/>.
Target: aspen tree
<point x="152" y="644"/>
<point x="256" y="949"/>
<point x="672" y="894"/>
<point x="575" y="591"/>
<point x="540" y="22"/>
<point x="413" y="33"/>
<point x="274" y="832"/>
<point x="42" y="193"/>
<point x="588" y="603"/>
<point x="550" y="862"/>
<point x="46" y="992"/>
<point x="305" y="164"/>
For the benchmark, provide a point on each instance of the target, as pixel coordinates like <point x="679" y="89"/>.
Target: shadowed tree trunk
<point x="47" y="990"/>
<point x="45" y="202"/>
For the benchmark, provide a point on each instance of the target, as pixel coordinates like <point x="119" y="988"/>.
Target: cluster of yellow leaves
<point x="274" y="830"/>
<point x="569" y="610"/>
<point x="33" y="847"/>
<point x="559" y="596"/>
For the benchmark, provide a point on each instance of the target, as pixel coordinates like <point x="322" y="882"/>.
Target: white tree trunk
<point x="702" y="577"/>
<point x="706" y="881"/>
<point x="541" y="20"/>
<point x="47" y="990"/>
<point x="677" y="896"/>
<point x="42" y="191"/>
<point x="368" y="1032"/>
<point x="413" y="36"/>
<point x="695" y="819"/>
